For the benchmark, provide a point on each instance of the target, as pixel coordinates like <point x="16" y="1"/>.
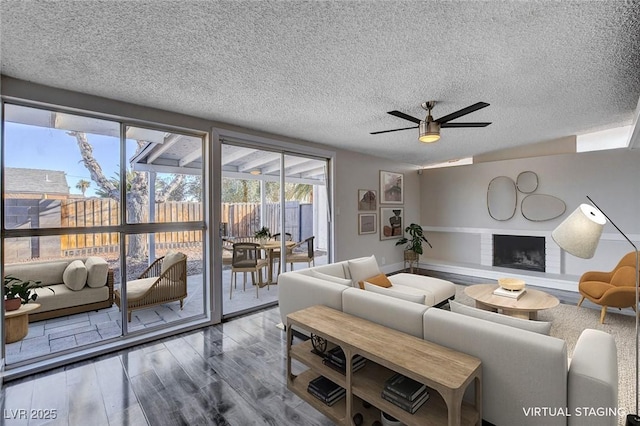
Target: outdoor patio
<point x="72" y="331"/>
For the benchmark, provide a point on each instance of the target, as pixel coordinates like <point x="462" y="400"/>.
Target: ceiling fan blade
<point x="405" y="116"/>
<point x="394" y="130"/>
<point x="463" y="111"/>
<point x="464" y="125"/>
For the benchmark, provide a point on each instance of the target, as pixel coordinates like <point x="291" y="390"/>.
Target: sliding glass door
<point x="282" y="194"/>
<point x="89" y="207"/>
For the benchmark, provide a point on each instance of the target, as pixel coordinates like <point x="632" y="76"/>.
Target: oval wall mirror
<point x="541" y="207"/>
<point x="527" y="182"/>
<point x="502" y="198"/>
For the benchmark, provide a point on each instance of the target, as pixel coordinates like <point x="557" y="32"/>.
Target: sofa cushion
<point x="47" y="272"/>
<point x="394" y="313"/>
<point x="97" y="270"/>
<point x="330" y="278"/>
<point x="436" y="290"/>
<point x="542" y="327"/>
<point x="67" y="298"/>
<point x="379" y="280"/>
<point x="171" y="259"/>
<point x="137" y="288"/>
<point x="399" y="292"/>
<point x="75" y="275"/>
<point x="333" y="269"/>
<point x="362" y="269"/>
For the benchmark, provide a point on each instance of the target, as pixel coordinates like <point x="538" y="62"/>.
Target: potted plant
<point x="413" y="248"/>
<point x="18" y="292"/>
<point x="263" y="235"/>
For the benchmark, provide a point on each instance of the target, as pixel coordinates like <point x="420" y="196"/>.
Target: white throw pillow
<point x="409" y="294"/>
<point x="171" y="259"/>
<point x="542" y="327"/>
<point x="97" y="270"/>
<point x="75" y="275"/>
<point x="362" y="269"/>
<point x="330" y="278"/>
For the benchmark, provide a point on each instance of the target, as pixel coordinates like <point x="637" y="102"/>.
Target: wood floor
<point x="228" y="374"/>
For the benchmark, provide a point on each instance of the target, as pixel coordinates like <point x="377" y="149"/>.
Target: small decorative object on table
<point x="512" y="284"/>
<point x="510" y="287"/>
<point x="319" y="344"/>
<point x="388" y="420"/>
<point x="262" y="235"/>
<point x="18" y="292"/>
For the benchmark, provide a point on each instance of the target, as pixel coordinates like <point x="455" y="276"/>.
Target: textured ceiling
<point x="328" y="72"/>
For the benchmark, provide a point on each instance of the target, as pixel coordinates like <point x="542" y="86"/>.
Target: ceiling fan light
<point x="429" y="131"/>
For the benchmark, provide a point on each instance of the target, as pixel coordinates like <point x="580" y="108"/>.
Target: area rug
<point x="569" y="321"/>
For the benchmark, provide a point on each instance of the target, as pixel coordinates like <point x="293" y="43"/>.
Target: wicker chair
<point x="306" y="255"/>
<point x="246" y="258"/>
<point x="162" y="282"/>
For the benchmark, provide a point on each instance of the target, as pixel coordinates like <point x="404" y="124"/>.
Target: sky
<point x="47" y="148"/>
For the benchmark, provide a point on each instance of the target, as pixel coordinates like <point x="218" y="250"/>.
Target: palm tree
<point x="82" y="185"/>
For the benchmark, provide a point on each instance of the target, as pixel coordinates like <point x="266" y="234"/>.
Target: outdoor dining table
<point x="269" y="247"/>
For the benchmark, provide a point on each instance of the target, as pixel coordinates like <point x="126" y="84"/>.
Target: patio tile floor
<point x="69" y="332"/>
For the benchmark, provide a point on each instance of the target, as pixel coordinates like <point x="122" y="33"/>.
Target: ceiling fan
<point x="430" y="128"/>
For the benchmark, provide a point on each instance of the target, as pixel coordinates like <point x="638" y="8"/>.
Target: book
<point x="410" y="406"/>
<point x="327" y="400"/>
<point x="342" y="368"/>
<point x="324" y="386"/>
<point x="337" y="355"/>
<point x="514" y="294"/>
<point x="404" y="386"/>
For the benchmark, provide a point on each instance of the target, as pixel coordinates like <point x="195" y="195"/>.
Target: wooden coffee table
<point x="526" y="307"/>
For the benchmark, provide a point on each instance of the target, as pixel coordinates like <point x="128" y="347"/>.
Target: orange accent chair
<point x="616" y="288"/>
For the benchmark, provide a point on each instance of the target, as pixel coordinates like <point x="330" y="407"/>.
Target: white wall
<point x="456" y="197"/>
<point x="359" y="171"/>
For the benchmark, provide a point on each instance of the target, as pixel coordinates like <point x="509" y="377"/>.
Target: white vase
<point x="389" y="421"/>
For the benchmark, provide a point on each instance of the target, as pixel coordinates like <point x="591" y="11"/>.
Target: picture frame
<point x="391" y="223"/>
<point x="391" y="187"/>
<point x="367" y="223"/>
<point x="367" y="200"/>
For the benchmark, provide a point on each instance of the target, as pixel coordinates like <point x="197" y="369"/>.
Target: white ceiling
<point x="328" y="71"/>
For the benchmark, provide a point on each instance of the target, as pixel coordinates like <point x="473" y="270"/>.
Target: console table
<point x="446" y="372"/>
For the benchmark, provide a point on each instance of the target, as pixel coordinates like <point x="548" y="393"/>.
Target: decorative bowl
<point x="512" y="284"/>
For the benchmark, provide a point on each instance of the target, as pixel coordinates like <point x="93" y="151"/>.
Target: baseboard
<point x="540" y="279"/>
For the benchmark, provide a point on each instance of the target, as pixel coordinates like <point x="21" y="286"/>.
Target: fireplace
<point x="519" y="252"/>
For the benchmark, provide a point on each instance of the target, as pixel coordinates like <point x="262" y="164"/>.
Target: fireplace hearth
<point x="519" y="252"/>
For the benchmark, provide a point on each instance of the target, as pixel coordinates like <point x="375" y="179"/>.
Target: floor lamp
<point x="579" y="235"/>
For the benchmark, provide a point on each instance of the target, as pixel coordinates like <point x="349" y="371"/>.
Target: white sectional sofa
<point x="527" y="378"/>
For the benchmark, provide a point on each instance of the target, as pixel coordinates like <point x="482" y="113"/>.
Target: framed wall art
<point x="367" y="223"/>
<point x="367" y="200"/>
<point x="391" y="219"/>
<point x="391" y="187"/>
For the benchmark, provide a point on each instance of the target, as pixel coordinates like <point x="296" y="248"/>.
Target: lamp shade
<point x="429" y="131"/>
<point x="579" y="233"/>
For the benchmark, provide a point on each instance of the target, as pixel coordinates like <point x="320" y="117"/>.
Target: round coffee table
<point x="16" y="323"/>
<point x="526" y="307"/>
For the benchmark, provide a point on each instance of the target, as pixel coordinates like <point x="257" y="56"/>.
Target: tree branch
<point x="86" y="150"/>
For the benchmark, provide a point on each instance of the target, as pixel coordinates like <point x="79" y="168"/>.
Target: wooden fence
<point x="243" y="220"/>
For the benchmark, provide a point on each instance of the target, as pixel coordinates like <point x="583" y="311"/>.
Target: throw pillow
<point x="362" y="269"/>
<point x="330" y="278"/>
<point x="542" y="327"/>
<point x="75" y="275"/>
<point x="380" y="279"/>
<point x="408" y="294"/>
<point x="97" y="270"/>
<point x="171" y="259"/>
